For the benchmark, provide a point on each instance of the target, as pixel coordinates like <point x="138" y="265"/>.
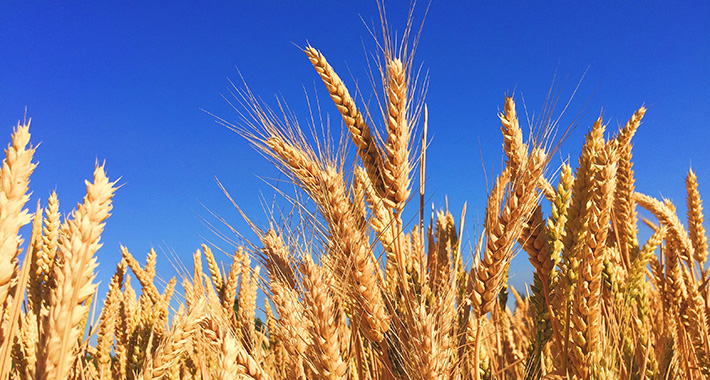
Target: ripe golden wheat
<point x="357" y="292"/>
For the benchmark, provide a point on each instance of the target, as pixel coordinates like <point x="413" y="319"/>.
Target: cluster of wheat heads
<point x="356" y="292"/>
<point x="602" y="305"/>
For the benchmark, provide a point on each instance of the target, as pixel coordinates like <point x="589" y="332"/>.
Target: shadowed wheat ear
<point x="175" y="343"/>
<point x="292" y="326"/>
<point x="326" y="328"/>
<point x="108" y="319"/>
<point x="78" y="242"/>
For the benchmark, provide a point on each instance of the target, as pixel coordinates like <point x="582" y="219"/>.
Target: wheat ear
<point x="34" y="297"/>
<point x="325" y="327"/>
<point x="495" y="198"/>
<point x="142" y="275"/>
<point x="380" y="220"/>
<point x="505" y="229"/>
<point x="576" y="228"/>
<point x="359" y="130"/>
<point x="513" y="145"/>
<point x="351" y="244"/>
<point x="696" y="219"/>
<point x="668" y="217"/>
<point x="624" y="211"/>
<point x="694" y="319"/>
<point x="397" y="165"/>
<point x="586" y="316"/>
<point x="174" y="344"/>
<point x="108" y="319"/>
<point x="229" y="291"/>
<point x="46" y="259"/>
<point x="248" y="285"/>
<point x="292" y="326"/>
<point x="14" y="184"/>
<point x="78" y="243"/>
<point x="216" y="275"/>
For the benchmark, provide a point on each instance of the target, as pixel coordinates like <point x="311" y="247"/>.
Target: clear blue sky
<point x="126" y="82"/>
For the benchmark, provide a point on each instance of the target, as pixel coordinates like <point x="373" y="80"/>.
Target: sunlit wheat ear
<point x="25" y="351"/>
<point x="494" y="231"/>
<point x="142" y="276"/>
<point x="514" y="147"/>
<point x="78" y="242"/>
<point x="576" y="230"/>
<point x="504" y="228"/>
<point x="348" y="244"/>
<point x="624" y="213"/>
<point x="534" y="240"/>
<point x="234" y="362"/>
<point x="579" y="209"/>
<point x="586" y="316"/>
<point x="46" y="256"/>
<point x="33" y="283"/>
<point x="694" y="318"/>
<point x="360" y="132"/>
<point x="397" y="166"/>
<point x="302" y="166"/>
<point x="14" y="184"/>
<point x="696" y="219"/>
<point x="214" y="268"/>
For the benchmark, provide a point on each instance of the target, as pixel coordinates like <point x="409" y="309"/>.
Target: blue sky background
<point x="126" y="82"/>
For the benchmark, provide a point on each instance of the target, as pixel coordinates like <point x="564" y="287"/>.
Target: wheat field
<point x="359" y="291"/>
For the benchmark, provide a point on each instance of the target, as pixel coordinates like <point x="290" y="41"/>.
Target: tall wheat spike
<point x="78" y="243"/>
<point x="14" y="184"/>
